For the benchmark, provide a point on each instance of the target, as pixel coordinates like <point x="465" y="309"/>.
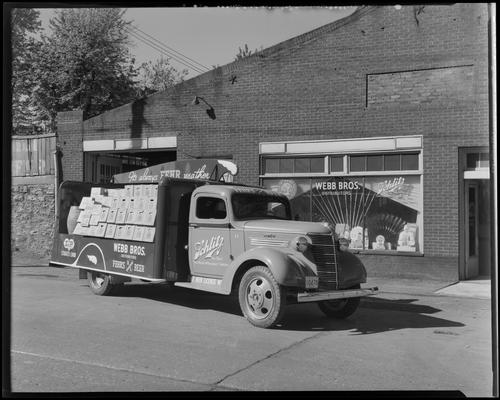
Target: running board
<point x="201" y="283"/>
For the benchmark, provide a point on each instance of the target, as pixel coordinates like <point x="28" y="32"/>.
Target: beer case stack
<point x="128" y="213"/>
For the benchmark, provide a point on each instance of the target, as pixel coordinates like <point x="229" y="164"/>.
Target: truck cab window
<point x="255" y="206"/>
<point x="210" y="208"/>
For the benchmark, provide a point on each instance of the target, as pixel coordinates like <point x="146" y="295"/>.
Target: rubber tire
<point x="261" y="317"/>
<point x="340" y="309"/>
<point x="99" y="288"/>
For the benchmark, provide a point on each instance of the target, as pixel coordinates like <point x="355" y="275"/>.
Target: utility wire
<point x="171" y="49"/>
<point x="159" y="48"/>
<point x="163" y="51"/>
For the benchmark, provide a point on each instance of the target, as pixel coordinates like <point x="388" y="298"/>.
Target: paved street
<point x="150" y="338"/>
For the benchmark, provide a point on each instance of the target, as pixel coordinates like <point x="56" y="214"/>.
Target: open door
<point x="471" y="225"/>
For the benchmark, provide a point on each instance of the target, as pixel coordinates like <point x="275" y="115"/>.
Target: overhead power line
<point x="169" y="48"/>
<point x="164" y="52"/>
<point x="159" y="47"/>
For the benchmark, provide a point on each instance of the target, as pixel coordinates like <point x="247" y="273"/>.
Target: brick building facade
<point x="383" y="84"/>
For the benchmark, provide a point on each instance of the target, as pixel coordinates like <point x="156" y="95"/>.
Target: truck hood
<point x="278" y="225"/>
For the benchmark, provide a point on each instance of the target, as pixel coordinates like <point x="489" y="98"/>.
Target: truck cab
<point x="229" y="238"/>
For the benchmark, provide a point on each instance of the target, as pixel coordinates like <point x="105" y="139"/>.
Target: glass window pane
<point x="302" y="165"/>
<point x="392" y="162"/>
<point x="286" y="165"/>
<point x="472" y="160"/>
<point x="409" y="162"/>
<point x="298" y="192"/>
<point x="357" y="163"/>
<point x="392" y="207"/>
<point x="484" y="160"/>
<point x="336" y="163"/>
<point x="375" y="163"/>
<point x="271" y="166"/>
<point x="318" y="164"/>
<point x="209" y="207"/>
<point x="340" y="202"/>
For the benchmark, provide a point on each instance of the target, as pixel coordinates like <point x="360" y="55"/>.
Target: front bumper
<point x="335" y="294"/>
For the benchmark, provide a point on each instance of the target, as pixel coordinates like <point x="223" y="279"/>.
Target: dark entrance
<point x="100" y="167"/>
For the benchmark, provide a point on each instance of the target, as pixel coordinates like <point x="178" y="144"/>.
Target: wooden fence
<point x="33" y="155"/>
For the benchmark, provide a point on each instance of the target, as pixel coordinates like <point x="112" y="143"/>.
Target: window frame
<point x="350" y="174"/>
<point x="294" y="157"/>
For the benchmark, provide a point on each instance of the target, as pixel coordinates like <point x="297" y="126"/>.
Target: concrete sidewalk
<point x="479" y="288"/>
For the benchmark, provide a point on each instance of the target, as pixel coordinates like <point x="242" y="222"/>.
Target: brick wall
<point x="315" y="86"/>
<point x="435" y="85"/>
<point x="32" y="211"/>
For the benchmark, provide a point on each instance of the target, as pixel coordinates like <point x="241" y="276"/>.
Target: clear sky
<point x="212" y="35"/>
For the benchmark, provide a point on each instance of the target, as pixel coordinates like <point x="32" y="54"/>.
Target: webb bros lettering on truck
<point x="206" y="235"/>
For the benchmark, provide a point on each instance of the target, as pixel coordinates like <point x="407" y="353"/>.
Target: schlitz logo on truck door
<point x="209" y="248"/>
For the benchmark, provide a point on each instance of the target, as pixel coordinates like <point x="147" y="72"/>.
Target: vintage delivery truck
<point x="212" y="236"/>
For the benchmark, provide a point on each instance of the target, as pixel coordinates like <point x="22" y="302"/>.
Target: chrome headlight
<point x="329" y="226"/>
<point x="300" y="243"/>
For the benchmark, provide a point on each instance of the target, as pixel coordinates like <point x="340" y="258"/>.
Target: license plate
<point x="312" y="282"/>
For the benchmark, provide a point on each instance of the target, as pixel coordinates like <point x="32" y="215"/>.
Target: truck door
<point x="209" y="236"/>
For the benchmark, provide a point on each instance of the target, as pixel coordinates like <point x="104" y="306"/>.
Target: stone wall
<point x="33" y="211"/>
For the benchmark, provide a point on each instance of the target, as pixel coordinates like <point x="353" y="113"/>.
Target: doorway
<point x="471" y="225"/>
<point x="475" y="216"/>
<point x="100" y="167"/>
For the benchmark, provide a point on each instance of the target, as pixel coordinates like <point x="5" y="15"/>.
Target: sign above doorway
<point x="208" y="169"/>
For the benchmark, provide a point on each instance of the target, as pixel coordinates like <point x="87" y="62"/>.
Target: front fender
<point x="351" y="270"/>
<point x="288" y="267"/>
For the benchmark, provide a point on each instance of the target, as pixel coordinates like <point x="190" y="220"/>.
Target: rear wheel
<point x="262" y="299"/>
<point x="100" y="283"/>
<point x="340" y="308"/>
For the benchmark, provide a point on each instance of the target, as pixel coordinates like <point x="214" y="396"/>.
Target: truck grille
<point x="325" y="256"/>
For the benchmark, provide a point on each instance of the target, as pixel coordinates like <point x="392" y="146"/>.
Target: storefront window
<point x="298" y="192"/>
<point x="381" y="213"/>
<point x="341" y="202"/>
<point x="393" y="212"/>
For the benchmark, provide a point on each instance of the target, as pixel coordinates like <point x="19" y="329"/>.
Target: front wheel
<point x="100" y="283"/>
<point x="262" y="299"/>
<point x="340" y="308"/>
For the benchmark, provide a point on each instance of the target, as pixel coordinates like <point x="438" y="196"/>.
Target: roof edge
<point x="294" y="41"/>
<point x="267" y="52"/>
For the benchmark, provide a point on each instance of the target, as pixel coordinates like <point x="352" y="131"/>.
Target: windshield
<point x="254" y="206"/>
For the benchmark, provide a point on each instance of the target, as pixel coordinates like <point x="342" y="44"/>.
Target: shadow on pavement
<point x="39" y="275"/>
<point x="375" y="315"/>
<point x="180" y="296"/>
<point x="398" y="305"/>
